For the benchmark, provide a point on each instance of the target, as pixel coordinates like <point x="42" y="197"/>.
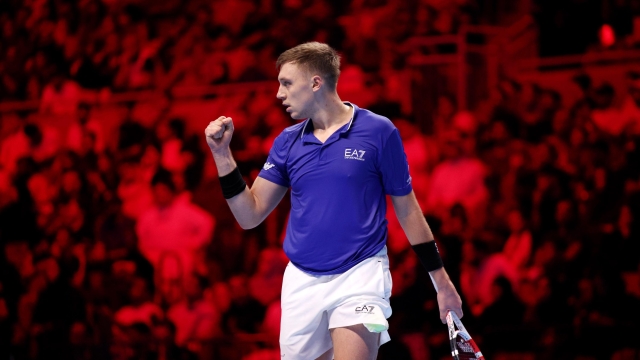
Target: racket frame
<point x="453" y="321"/>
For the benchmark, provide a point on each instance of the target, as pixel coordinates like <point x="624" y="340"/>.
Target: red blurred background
<point x="520" y="119"/>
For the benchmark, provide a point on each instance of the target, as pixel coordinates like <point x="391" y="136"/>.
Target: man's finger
<point x="444" y="318"/>
<point x="219" y="132"/>
<point x="443" y="314"/>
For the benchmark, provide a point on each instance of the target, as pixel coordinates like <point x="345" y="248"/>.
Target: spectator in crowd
<point x="479" y="269"/>
<point x="196" y="321"/>
<point x="630" y="111"/>
<point x="86" y="134"/>
<point x="61" y="97"/>
<point x="245" y="313"/>
<point x="173" y="227"/>
<point x="140" y="308"/>
<point x="605" y="116"/>
<point x="39" y="143"/>
<point x="458" y="179"/>
<point x="171" y="135"/>
<point x="60" y="308"/>
<point x="266" y="282"/>
<point x="517" y="249"/>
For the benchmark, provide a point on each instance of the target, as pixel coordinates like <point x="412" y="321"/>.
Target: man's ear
<point x="317" y="82"/>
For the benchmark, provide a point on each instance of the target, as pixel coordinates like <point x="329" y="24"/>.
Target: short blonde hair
<point x="314" y="57"/>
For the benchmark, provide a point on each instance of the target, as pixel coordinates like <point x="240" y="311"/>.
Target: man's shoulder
<point x="362" y="112"/>
<point x="374" y="121"/>
<point x="295" y="128"/>
<point x="289" y="133"/>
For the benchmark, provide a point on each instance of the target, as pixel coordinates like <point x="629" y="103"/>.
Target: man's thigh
<point x="304" y="324"/>
<point x="355" y="342"/>
<point x="312" y="305"/>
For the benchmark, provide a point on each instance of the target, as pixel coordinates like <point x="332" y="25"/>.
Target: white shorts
<point x="312" y="304"/>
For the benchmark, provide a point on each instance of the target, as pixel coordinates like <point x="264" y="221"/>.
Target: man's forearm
<point x="412" y="221"/>
<point x="421" y="238"/>
<point x="251" y="205"/>
<point x="440" y="279"/>
<point x="418" y="232"/>
<point x="242" y="205"/>
<point x="225" y="163"/>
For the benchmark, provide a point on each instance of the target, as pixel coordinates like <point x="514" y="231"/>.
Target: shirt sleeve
<point x="274" y="169"/>
<point x="394" y="168"/>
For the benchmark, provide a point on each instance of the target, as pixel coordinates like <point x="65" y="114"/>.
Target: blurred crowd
<point x="535" y="204"/>
<point x="118" y="244"/>
<point x="59" y="47"/>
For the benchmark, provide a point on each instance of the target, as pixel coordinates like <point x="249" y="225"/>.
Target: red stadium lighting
<point x="607" y="35"/>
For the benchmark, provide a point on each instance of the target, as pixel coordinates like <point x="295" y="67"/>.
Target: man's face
<point x="296" y="90"/>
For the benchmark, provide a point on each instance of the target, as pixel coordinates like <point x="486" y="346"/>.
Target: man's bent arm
<point x="251" y="206"/>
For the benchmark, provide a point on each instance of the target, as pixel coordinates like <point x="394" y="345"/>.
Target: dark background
<point x="520" y="120"/>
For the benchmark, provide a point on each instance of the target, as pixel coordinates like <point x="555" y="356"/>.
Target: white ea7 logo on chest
<point x="354" y="154"/>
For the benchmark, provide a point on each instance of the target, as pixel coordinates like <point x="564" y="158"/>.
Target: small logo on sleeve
<point x="364" y="309"/>
<point x="354" y="154"/>
<point x="267" y="166"/>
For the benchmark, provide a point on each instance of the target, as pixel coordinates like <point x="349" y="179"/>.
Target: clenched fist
<point x="218" y="133"/>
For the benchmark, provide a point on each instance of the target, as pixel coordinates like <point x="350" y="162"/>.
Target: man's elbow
<point x="248" y="224"/>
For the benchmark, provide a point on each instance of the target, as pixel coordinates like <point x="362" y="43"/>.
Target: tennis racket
<point x="462" y="345"/>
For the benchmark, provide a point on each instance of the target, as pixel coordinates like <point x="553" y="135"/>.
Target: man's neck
<point x="331" y="113"/>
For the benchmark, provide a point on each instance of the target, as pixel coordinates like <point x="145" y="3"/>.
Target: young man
<point x="339" y="163"/>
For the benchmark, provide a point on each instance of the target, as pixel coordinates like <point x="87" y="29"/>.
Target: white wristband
<point x="434" y="282"/>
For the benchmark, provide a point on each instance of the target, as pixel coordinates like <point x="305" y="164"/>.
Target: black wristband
<point x="232" y="184"/>
<point x="429" y="255"/>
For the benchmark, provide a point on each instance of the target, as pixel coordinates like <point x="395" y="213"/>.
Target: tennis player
<point x="340" y="161"/>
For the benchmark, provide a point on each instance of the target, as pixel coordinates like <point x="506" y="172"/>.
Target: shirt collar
<point x="353" y="115"/>
<point x="309" y="128"/>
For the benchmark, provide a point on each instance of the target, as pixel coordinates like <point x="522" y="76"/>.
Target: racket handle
<point x="457" y="321"/>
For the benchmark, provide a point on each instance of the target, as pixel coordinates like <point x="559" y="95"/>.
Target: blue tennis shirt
<point x="338" y="188"/>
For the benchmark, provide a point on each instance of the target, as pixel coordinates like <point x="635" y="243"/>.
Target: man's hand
<point x="218" y="134"/>
<point x="448" y="299"/>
